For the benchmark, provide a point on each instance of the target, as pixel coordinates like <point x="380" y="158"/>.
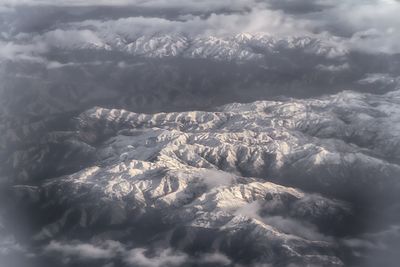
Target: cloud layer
<point x="368" y="26"/>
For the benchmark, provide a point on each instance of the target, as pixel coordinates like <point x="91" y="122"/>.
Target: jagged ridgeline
<point x="175" y="73"/>
<point x="277" y="182"/>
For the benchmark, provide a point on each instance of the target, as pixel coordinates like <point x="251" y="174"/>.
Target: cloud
<point x="334" y="68"/>
<point x="300" y="6"/>
<point x="106" y="250"/>
<point x="9" y="245"/>
<point x="113" y="251"/>
<point x="6" y="9"/>
<point x="250" y="210"/>
<point x="188" y="4"/>
<point x="167" y="257"/>
<point x="214" y="178"/>
<point x="69" y="39"/>
<point x="374" y="25"/>
<point x="264" y="20"/>
<point x="295" y="227"/>
<point x="36" y="49"/>
<point x="378" y="248"/>
<point x="368" y="26"/>
<point x="21" y="42"/>
<point x="214" y="258"/>
<point x="28" y="52"/>
<point x="286" y="225"/>
<point x="141" y="257"/>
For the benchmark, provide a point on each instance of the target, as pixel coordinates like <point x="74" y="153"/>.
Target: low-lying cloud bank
<point x="368" y="26"/>
<point x="109" y="252"/>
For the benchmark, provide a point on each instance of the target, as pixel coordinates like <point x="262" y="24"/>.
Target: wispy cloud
<point x="110" y="251"/>
<point x="166" y="257"/>
<point x="106" y="250"/>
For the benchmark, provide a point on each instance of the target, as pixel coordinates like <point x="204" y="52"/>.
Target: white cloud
<point x="69" y="38"/>
<point x="15" y="51"/>
<point x="333" y="68"/>
<point x="250" y="210"/>
<point x="264" y="20"/>
<point x="215" y="258"/>
<point x="214" y="178"/>
<point x="369" y="25"/>
<point x="167" y="257"/>
<point x="137" y="257"/>
<point x="107" y="250"/>
<point x="284" y="224"/>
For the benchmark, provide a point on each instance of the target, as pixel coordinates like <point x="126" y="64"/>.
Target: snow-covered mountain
<point x="71" y="74"/>
<point x="240" y="47"/>
<point x="276" y="178"/>
<point x="244" y="46"/>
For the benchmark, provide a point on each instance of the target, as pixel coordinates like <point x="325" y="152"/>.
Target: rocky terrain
<point x="269" y="182"/>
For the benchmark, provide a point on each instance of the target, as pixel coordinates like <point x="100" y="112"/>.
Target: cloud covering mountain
<point x="360" y="25"/>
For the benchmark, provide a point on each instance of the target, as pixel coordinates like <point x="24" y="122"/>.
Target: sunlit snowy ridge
<point x="277" y="176"/>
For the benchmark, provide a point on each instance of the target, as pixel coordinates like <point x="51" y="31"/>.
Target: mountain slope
<point x="280" y="179"/>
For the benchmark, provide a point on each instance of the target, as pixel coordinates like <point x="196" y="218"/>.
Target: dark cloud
<point x="378" y="248"/>
<point x="301" y="6"/>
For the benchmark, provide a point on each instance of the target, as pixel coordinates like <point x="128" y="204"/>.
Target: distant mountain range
<point x="241" y="47"/>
